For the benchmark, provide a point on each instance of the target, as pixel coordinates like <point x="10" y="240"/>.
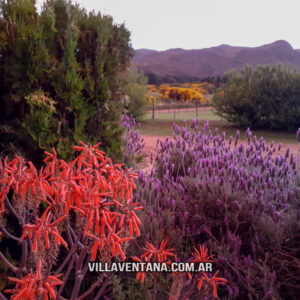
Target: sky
<point x="196" y="24"/>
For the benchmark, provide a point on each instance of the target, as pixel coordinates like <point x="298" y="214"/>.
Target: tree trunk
<point x="174" y="114"/>
<point x="153" y="110"/>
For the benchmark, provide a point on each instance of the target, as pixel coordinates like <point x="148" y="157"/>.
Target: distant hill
<point x="214" y="61"/>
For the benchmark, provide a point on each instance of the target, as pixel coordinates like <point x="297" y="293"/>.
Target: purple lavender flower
<point x="132" y="141"/>
<point x="207" y="189"/>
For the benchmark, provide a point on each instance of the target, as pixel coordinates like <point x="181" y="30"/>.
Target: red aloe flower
<point x="11" y="176"/>
<point x="213" y="282"/>
<point x="36" y="182"/>
<point x="34" y="285"/>
<point x="129" y="217"/>
<point x="42" y="229"/>
<point x="90" y="155"/>
<point x="161" y="254"/>
<point x="123" y="184"/>
<point x="201" y="255"/>
<point x="93" y="205"/>
<point x="112" y="241"/>
<point x="51" y="161"/>
<point x="100" y="194"/>
<point x="140" y="276"/>
<point x="188" y="274"/>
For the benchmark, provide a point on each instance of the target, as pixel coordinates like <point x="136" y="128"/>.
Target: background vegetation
<point x="65" y="76"/>
<point x="135" y="88"/>
<point x="60" y="78"/>
<point x="264" y="97"/>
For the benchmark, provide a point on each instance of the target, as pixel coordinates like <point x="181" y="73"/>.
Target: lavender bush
<point x="133" y="143"/>
<point x="298" y="139"/>
<point x="239" y="199"/>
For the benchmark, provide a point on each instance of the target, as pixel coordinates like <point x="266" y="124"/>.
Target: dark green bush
<point x="135" y="88"/>
<point x="263" y="97"/>
<point x="60" y="77"/>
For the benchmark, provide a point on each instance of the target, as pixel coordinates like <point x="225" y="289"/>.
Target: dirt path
<point x="150" y="144"/>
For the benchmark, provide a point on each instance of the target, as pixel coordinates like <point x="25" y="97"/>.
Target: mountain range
<point x="214" y="61"/>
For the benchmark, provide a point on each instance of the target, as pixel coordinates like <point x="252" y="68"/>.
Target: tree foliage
<point x="187" y="92"/>
<point x="262" y="97"/>
<point x="136" y="90"/>
<point x="173" y="79"/>
<point x="60" y="77"/>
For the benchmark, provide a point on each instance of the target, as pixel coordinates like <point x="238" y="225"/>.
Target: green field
<point x="204" y="114"/>
<point x="163" y="122"/>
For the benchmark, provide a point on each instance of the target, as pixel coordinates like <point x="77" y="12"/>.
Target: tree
<point x="173" y="94"/>
<point x="135" y="89"/>
<point x="197" y="98"/>
<point x="152" y="99"/>
<point x="70" y="57"/>
<point x="262" y="97"/>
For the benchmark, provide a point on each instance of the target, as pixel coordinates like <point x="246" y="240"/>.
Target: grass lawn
<point x="203" y="114"/>
<point x="163" y="122"/>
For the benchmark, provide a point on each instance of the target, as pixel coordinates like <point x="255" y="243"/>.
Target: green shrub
<point x="60" y="78"/>
<point x="263" y="97"/>
<point x="135" y="88"/>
